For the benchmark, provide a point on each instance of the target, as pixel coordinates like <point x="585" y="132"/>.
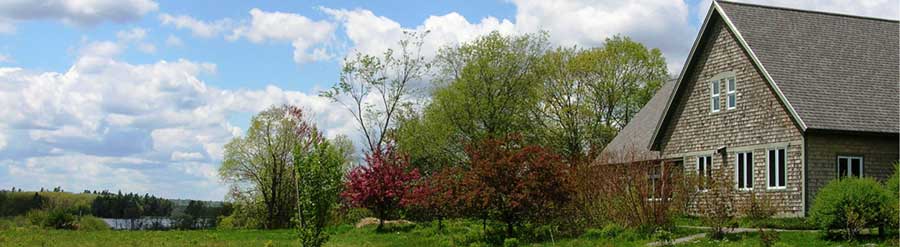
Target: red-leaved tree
<point x="382" y="185"/>
<point x="510" y="183"/>
<point x="439" y="195"/>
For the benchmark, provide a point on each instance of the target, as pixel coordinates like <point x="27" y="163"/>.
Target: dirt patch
<point x="374" y="221"/>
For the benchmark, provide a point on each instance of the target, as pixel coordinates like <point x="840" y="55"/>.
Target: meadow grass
<point x="455" y="233"/>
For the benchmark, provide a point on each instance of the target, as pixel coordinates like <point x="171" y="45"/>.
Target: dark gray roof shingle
<point x="838" y="72"/>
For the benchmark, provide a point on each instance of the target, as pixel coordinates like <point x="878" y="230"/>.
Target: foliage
<point x="511" y="242"/>
<point x="439" y="195"/>
<point x="387" y="77"/>
<point x="636" y="194"/>
<point x="758" y="207"/>
<point x="91" y="223"/>
<point x="510" y="183"/>
<point x="319" y="172"/>
<point x="715" y="202"/>
<point x="590" y="94"/>
<point x="260" y="165"/>
<point x="129" y="206"/>
<point x="850" y="204"/>
<point x="381" y="185"/>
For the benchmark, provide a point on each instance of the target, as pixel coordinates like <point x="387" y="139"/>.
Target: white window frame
<point x="715" y="102"/>
<point x="703" y="185"/>
<point x="730" y="92"/>
<point x="777" y="172"/>
<point x="850" y="158"/>
<point x="748" y="177"/>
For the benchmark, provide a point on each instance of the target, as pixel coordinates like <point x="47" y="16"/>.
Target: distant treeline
<point x="183" y="214"/>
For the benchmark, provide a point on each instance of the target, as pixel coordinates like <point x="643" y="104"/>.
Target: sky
<point x="141" y="95"/>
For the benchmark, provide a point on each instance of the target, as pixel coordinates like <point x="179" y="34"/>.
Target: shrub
<point x="91" y="223"/>
<point x="593" y="233"/>
<point x="37" y="217"/>
<point x="851" y="204"/>
<point x="382" y="185"/>
<point x="663" y="236"/>
<point x="611" y="230"/>
<point x="511" y="242"/>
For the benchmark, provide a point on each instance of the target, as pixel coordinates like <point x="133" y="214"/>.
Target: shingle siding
<point x="760" y="121"/>
<point x="879" y="153"/>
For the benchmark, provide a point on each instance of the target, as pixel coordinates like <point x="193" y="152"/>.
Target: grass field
<point x="456" y="234"/>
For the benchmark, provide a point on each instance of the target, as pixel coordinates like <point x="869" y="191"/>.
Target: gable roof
<point x="638" y="133"/>
<point x="839" y="72"/>
<point x="831" y="71"/>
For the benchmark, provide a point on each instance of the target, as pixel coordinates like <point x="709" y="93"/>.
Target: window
<point x="715" y="94"/>
<point x="655" y="184"/>
<point x="849" y="166"/>
<point x="744" y="170"/>
<point x="777" y="168"/>
<point x="731" y="97"/>
<point x="704" y="171"/>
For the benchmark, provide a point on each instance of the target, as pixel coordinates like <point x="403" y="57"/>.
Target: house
<point x="779" y="100"/>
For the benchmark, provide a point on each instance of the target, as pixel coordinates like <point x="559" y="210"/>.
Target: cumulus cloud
<point x="76" y="12"/>
<point x="205" y="29"/>
<point x="108" y="124"/>
<point x="308" y="37"/>
<point x="174" y="41"/>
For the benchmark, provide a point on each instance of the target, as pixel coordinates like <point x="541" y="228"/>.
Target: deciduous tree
<point x="382" y="185"/>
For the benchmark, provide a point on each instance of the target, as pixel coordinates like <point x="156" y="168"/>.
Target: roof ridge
<point x="809" y="11"/>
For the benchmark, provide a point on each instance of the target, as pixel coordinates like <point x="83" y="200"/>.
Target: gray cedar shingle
<point x="839" y="72"/>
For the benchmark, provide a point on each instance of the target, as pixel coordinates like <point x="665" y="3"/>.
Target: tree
<point x="512" y="183"/>
<point x="319" y="172"/>
<point x="382" y="184"/>
<point x="487" y="88"/>
<point x="387" y="77"/>
<point x="623" y="76"/>
<point x="260" y="164"/>
<point x="440" y="195"/>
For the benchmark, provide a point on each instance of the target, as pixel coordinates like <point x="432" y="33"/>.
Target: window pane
<point x="749" y="164"/>
<point x="772" y="168"/>
<point x="740" y="170"/>
<point x="732" y="100"/>
<point x="842" y="167"/>
<point x="731" y="86"/>
<point x="708" y="166"/>
<point x="700" y="172"/>
<point x="715" y="87"/>
<point x="715" y="103"/>
<point x="781" y="167"/>
<point x="856" y="167"/>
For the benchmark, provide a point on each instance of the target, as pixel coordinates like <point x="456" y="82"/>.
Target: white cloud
<point x="6" y="59"/>
<point x="107" y="124"/>
<point x="132" y="35"/>
<point x="102" y="49"/>
<point x="186" y="156"/>
<point x="372" y="34"/>
<point x="308" y="37"/>
<point x="174" y="41"/>
<point x="198" y="28"/>
<point x="77" y="12"/>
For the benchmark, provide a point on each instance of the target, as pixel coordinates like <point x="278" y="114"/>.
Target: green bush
<point x="91" y="223"/>
<point x="851" y="204"/>
<point x="611" y="230"/>
<point x="60" y="219"/>
<point x="893" y="183"/>
<point x="592" y="233"/>
<point x="511" y="242"/>
<point x="37" y="217"/>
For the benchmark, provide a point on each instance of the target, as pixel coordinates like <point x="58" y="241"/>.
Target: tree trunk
<point x="509" y="229"/>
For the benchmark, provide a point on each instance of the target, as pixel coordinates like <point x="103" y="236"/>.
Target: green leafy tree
<point x="259" y="165"/>
<point x="319" y="173"/>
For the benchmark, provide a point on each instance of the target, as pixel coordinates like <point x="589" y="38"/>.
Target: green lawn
<point x="457" y="233"/>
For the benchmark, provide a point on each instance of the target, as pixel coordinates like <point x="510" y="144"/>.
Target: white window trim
<point x="706" y="171"/>
<point x="715" y="97"/>
<point x="862" y="165"/>
<point x="736" y="176"/>
<point x="768" y="185"/>
<point x="730" y="91"/>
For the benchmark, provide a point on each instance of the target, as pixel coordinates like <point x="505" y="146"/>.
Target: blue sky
<point x="140" y="95"/>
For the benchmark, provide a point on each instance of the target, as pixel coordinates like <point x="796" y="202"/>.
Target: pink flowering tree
<point x="383" y="185"/>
